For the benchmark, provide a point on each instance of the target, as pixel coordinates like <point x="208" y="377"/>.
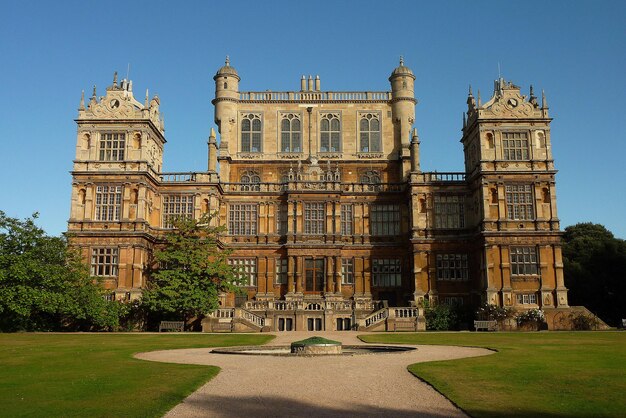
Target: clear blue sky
<point x="576" y="51"/>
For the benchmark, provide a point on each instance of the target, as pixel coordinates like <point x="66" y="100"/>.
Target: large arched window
<point x="330" y="133"/>
<point x="369" y="131"/>
<point x="251" y="133"/>
<point x="250" y="180"/>
<point x="290" y="133"/>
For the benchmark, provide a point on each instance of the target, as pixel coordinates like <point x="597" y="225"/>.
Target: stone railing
<point x="250" y="317"/>
<point x="435" y="177"/>
<point x="315" y="96"/>
<point x="311" y="305"/>
<point x="178" y="177"/>
<point x="222" y="313"/>
<point x="376" y="318"/>
<point x="313" y="186"/>
<point x="404" y="312"/>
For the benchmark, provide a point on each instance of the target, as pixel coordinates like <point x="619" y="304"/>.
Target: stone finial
<point x="464" y="121"/>
<point x="415" y="136"/>
<point x="478" y="97"/>
<point x="94" y="98"/>
<point x="303" y="83"/>
<point x="227" y="62"/>
<point x="470" y="90"/>
<point x="115" y="79"/>
<point x="81" y="106"/>
<point x="212" y="135"/>
<point x="532" y="99"/>
<point x="93" y="94"/>
<point x="401" y="61"/>
<point x="317" y="83"/>
<point x="146" y="102"/>
<point x="471" y="102"/>
<point x="544" y="102"/>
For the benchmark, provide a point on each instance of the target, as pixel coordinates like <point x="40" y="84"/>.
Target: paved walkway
<point x="369" y="385"/>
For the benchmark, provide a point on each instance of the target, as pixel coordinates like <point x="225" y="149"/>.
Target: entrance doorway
<point x="314" y="274"/>
<point x="344" y="324"/>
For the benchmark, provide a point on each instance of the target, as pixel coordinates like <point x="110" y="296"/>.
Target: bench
<point x="486" y="325"/>
<point x="172" y="326"/>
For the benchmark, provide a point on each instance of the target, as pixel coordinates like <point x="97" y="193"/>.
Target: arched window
<point x="369" y="130"/>
<point x="371" y="178"/>
<point x="290" y="133"/>
<point x="250" y="180"/>
<point x="330" y="133"/>
<point x="251" y="133"/>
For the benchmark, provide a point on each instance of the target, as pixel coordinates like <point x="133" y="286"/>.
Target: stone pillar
<point x="299" y="272"/>
<point x="291" y="288"/>
<point x="330" y="283"/>
<point x="561" y="290"/>
<point x="338" y="274"/>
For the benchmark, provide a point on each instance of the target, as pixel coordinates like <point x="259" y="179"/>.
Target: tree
<point x="45" y="286"/>
<point x="190" y="271"/>
<point x="595" y="270"/>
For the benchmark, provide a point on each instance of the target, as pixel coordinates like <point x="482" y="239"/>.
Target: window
<point x="104" y="262"/>
<point x="108" y="203"/>
<point x="386" y="272"/>
<point x="250" y="180"/>
<point x="245" y="269"/>
<point x="527" y="298"/>
<point x="372" y="178"/>
<point x="176" y="206"/>
<point x="347" y="271"/>
<point x="453" y="300"/>
<point x="515" y="146"/>
<point x="449" y="212"/>
<point x="242" y="219"/>
<point x="347" y="220"/>
<point x="330" y="133"/>
<point x="314" y="217"/>
<point x="281" y="270"/>
<point x="523" y="261"/>
<point x="369" y="132"/>
<point x="290" y="133"/>
<point x="112" y="146"/>
<point x="519" y="202"/>
<point x="282" y="219"/>
<point x="452" y="267"/>
<point x="251" y="133"/>
<point x="385" y="220"/>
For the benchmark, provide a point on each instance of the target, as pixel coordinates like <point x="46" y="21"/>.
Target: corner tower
<point x="403" y="111"/>
<point x="511" y="174"/>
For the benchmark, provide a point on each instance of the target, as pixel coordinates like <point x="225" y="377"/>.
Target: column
<point x="290" y="275"/>
<point x="299" y="266"/>
<point x="338" y="274"/>
<point x="330" y="283"/>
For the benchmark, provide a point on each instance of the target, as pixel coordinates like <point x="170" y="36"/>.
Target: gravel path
<point x="369" y="385"/>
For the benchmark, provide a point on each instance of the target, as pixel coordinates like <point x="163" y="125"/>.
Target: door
<point x="314" y="274"/>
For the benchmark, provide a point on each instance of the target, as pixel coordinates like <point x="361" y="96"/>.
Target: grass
<point x="545" y="374"/>
<point x="95" y="375"/>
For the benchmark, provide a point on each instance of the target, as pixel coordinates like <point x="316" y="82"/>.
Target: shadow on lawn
<point x="260" y="407"/>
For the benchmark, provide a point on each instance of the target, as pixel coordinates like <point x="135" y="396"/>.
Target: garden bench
<point x="172" y="326"/>
<point x="486" y="325"/>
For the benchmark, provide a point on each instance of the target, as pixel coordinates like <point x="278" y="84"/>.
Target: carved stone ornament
<point x="289" y="155"/>
<point x="370" y="155"/>
<point x="250" y="155"/>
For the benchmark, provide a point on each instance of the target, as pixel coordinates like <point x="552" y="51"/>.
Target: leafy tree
<point x="190" y="271"/>
<point x="595" y="270"/>
<point x="45" y="286"/>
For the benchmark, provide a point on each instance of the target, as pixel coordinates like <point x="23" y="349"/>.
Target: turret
<point x="403" y="109"/>
<point x="226" y="94"/>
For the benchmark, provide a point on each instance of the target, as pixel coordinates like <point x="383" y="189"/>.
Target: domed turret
<point x="401" y="70"/>
<point x="226" y="70"/>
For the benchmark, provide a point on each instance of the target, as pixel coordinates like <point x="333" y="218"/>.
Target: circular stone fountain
<point x="314" y="346"/>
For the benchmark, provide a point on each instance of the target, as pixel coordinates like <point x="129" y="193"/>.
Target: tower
<point x="403" y="112"/>
<point x="511" y="175"/>
<point x="119" y="154"/>
<point x="226" y="102"/>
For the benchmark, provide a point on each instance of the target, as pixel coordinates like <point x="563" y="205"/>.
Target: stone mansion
<point x="328" y="214"/>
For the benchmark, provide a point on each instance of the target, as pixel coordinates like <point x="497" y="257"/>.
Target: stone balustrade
<point x="315" y="96"/>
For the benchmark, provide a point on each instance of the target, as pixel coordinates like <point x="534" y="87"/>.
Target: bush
<point x="441" y="317"/>
<point x="583" y="322"/>
<point x="531" y="319"/>
<point x="488" y="312"/>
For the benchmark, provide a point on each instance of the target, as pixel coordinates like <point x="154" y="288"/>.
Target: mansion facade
<point x="328" y="215"/>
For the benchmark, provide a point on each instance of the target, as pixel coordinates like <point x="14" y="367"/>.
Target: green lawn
<point x="544" y="374"/>
<point x="94" y="375"/>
